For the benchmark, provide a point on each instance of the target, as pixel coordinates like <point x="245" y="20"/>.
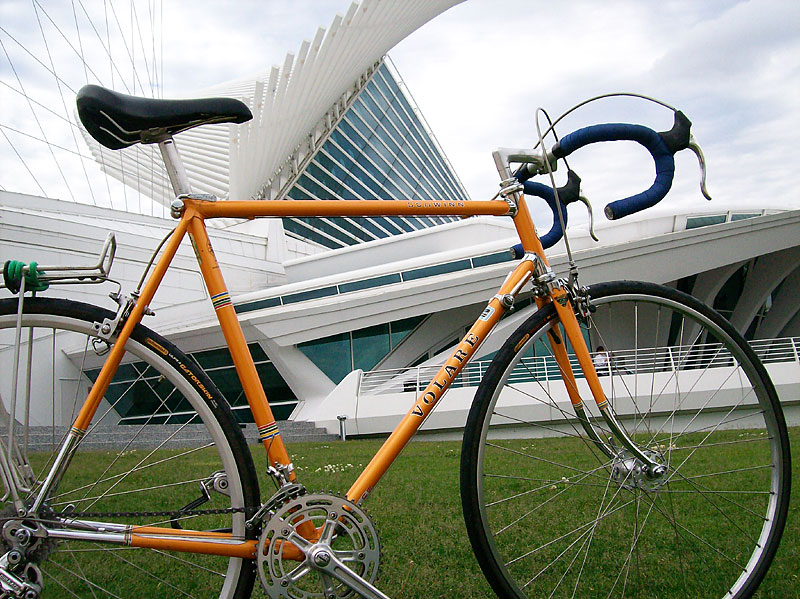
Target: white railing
<point x="622" y="362"/>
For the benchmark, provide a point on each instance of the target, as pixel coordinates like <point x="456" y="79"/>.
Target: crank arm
<point x="321" y="558"/>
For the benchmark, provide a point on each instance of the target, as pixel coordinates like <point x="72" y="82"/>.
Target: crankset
<point x="319" y="545"/>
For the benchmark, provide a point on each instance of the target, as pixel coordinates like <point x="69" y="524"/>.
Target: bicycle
<point x="680" y="463"/>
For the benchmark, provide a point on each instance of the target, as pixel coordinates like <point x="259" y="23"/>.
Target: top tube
<point x="266" y="208"/>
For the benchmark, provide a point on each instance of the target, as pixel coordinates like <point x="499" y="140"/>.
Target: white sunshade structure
<point x="295" y="108"/>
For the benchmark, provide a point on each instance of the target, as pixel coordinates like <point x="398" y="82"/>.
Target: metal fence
<point x="622" y="362"/>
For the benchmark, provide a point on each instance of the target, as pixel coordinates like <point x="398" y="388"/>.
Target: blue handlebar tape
<point x="546" y="193"/>
<point x="664" y="161"/>
<point x="556" y="232"/>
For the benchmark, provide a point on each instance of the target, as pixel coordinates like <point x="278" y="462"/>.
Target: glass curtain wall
<point x="141" y="396"/>
<point x="338" y="355"/>
<point x="379" y="150"/>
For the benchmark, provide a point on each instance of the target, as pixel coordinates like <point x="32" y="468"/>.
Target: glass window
<point x="329" y="164"/>
<point x="295" y="193"/>
<point x="269" y="302"/>
<point x="274" y="386"/>
<point x="227" y="381"/>
<point x="355" y="138"/>
<point x="370" y="104"/>
<point x="378" y="160"/>
<point x="404" y="189"/>
<point x="324" y="226"/>
<point x="376" y="96"/>
<point x="694" y="222"/>
<point x="354" y="173"/>
<point x="380" y="83"/>
<point x="729" y="294"/>
<point x="311" y="187"/>
<point x="429" y="271"/>
<point x="401" y="223"/>
<point x="259" y="355"/>
<point x="331" y="355"/>
<point x="388" y="224"/>
<point x="214" y="358"/>
<point x="303" y="296"/>
<point x="369" y="283"/>
<point x="370" y="345"/>
<point x="401" y="328"/>
<point x="387" y="141"/>
<point x="345" y="144"/>
<point x="329" y="186"/>
<point x="491" y="259"/>
<point x="304" y="231"/>
<point x="360" y="125"/>
<point x="351" y="227"/>
<point x="743" y="215"/>
<point x="371" y="226"/>
<point x="361" y="110"/>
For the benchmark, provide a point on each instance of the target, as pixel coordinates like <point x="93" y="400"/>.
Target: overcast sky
<point x="478" y="72"/>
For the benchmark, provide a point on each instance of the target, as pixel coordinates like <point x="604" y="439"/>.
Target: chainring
<point x="342" y="527"/>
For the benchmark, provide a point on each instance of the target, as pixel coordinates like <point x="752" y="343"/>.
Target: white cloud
<point x="478" y="72"/>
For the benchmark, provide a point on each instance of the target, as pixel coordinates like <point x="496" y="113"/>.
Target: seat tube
<point x="231" y="329"/>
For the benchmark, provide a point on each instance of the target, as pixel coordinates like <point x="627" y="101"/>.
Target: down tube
<point x="438" y="386"/>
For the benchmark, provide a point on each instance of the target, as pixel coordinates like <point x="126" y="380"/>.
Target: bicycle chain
<point x="173" y="514"/>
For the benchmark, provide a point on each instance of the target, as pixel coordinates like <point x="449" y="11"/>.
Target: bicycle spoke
<point x="683" y="390"/>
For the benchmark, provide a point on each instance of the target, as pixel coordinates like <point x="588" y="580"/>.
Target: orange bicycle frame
<point x="193" y="213"/>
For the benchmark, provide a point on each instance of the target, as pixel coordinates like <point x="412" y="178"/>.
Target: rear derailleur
<point x="23" y="547"/>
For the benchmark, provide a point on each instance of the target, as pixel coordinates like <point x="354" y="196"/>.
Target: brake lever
<point x="695" y="147"/>
<point x="589" y="208"/>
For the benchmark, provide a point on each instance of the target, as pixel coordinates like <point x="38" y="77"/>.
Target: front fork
<point x="548" y="289"/>
<point x="563" y="304"/>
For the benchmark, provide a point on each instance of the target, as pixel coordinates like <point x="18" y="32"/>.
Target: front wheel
<point x="552" y="513"/>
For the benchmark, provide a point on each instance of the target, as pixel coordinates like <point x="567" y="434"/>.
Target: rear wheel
<point x="551" y="513"/>
<point x="121" y="469"/>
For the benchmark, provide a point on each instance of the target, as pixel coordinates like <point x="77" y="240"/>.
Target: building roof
<point x="290" y="103"/>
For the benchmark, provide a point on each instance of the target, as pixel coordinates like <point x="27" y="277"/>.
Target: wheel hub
<point x="631" y="473"/>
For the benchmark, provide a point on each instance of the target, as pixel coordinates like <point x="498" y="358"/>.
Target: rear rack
<point x="65" y="275"/>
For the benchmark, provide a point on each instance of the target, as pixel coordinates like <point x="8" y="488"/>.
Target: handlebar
<point x="652" y="141"/>
<point x="662" y="147"/>
<point x="568" y="193"/>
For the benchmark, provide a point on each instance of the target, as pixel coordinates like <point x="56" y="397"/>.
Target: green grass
<point x="417" y="510"/>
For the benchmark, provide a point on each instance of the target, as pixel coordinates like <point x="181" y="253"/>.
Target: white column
<point x="768" y="272"/>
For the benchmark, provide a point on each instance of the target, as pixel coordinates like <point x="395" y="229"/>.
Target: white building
<point x="346" y="316"/>
<point x="353" y="331"/>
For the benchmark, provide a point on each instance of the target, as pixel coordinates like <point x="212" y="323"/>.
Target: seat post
<point x="174" y="164"/>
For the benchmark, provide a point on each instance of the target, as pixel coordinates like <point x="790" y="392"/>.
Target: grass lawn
<point x="417" y="509"/>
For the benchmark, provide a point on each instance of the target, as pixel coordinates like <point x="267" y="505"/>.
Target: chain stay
<point x="172" y="513"/>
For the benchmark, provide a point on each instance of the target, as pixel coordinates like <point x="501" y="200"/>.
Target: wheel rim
<point x="588" y="513"/>
<point x="159" y="477"/>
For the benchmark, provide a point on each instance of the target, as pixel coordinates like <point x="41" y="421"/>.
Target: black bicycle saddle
<point x="118" y="120"/>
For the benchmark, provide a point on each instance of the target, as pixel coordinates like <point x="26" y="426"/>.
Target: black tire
<point x="549" y="514"/>
<point x="129" y="475"/>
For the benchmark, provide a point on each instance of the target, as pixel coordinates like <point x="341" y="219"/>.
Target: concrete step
<point x="293" y="431"/>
